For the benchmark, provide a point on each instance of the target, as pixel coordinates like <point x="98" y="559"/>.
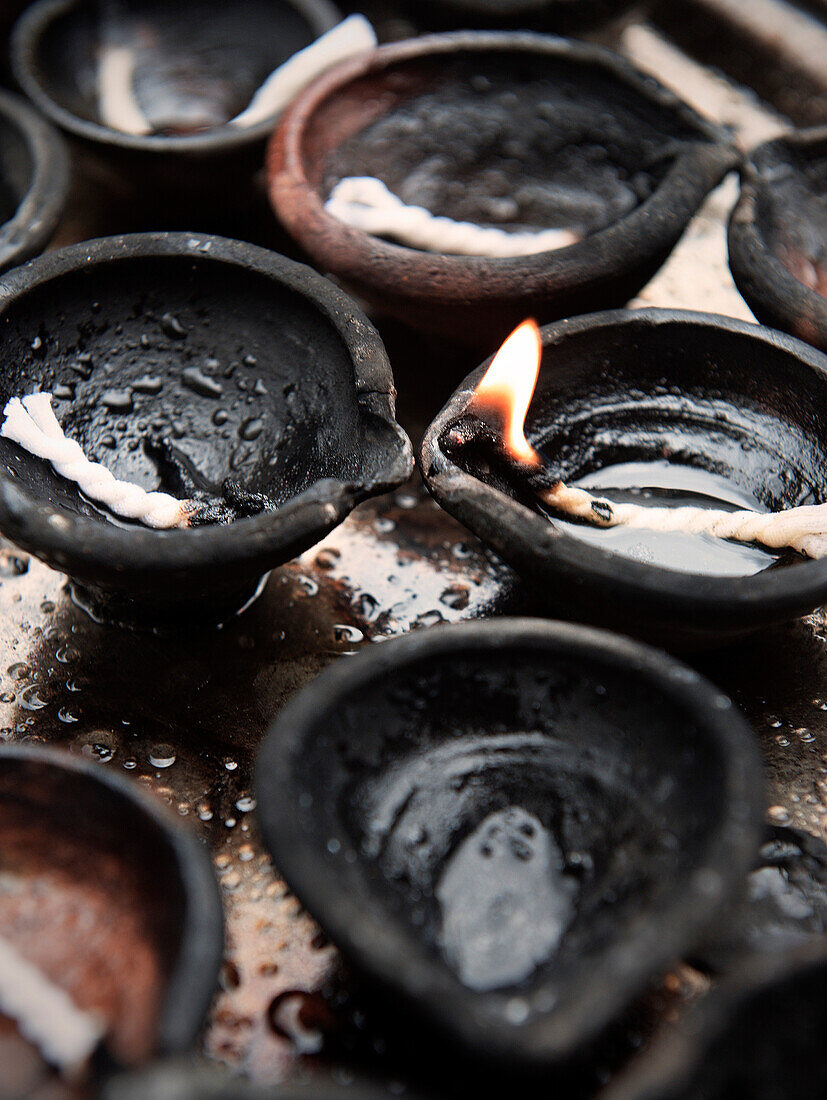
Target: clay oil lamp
<point x="461" y="182"/>
<point x="111" y="931"/>
<point x="760" y="1034"/>
<point x="511" y="827"/>
<point x="34" y="180"/>
<point x="175" y="95"/>
<point x="636" y="494"/>
<point x="215" y="410"/>
<point x="778" y="235"/>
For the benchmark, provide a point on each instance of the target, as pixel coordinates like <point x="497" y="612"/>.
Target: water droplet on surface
<point x="779" y="815"/>
<point x="117" y="400"/>
<point x="7" y="697"/>
<point x="428" y="618"/>
<point x="65" y="654"/>
<point x="367" y="606"/>
<point x="246" y="852"/>
<point x="344" y="632"/>
<point x="229" y="977"/>
<point x="200" y="383"/>
<point x="301" y="1017"/>
<point x="83" y="365"/>
<point x="172" y="327"/>
<point x="149" y="383"/>
<point x="251" y="429"/>
<point x="47" y="607"/>
<point x="306" y="585"/>
<point x="456" y="596"/>
<point x="246" y="803"/>
<point x="230" y="764"/>
<point x="805" y="735"/>
<point x="30" y="698"/>
<point x="19" y="671"/>
<point x="162" y="756"/>
<point x="13" y="565"/>
<point x="327" y="558"/>
<point x="66" y="716"/>
<point x="98" y="750"/>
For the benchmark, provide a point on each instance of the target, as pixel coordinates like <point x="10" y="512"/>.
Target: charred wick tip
<point x="475" y="442"/>
<point x="603" y="510"/>
<point x="236" y="503"/>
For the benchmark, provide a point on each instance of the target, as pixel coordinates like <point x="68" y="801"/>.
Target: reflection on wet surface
<point x="505" y="902"/>
<point x="663" y="485"/>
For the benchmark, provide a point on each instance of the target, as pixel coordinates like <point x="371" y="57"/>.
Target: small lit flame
<point x="508" y="385"/>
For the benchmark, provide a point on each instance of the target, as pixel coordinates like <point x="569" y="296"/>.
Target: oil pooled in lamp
<point x="674" y="516"/>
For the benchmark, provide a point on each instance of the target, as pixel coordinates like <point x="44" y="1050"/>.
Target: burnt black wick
<point x="477" y="440"/>
<point x="181" y="477"/>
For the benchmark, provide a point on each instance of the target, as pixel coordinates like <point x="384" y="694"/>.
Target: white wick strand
<point x="349" y="38"/>
<point x="803" y="529"/>
<point x="117" y="107"/>
<point x="32" y="424"/>
<point x="365" y="203"/>
<point x="119" y="110"/>
<point x="45" y="1014"/>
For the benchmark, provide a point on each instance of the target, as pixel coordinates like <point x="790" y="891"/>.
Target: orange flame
<point x="508" y="385"/>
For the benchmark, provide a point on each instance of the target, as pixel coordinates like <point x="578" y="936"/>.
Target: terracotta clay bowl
<point x="110" y="898"/>
<point x="511" y="827"/>
<point x="704" y="397"/>
<point x="516" y="130"/>
<point x="778" y="235"/>
<point x="197" y="65"/>
<point x="761" y="1035"/>
<point x="34" y="180"/>
<point x="237" y="363"/>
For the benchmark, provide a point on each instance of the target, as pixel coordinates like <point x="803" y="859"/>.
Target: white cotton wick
<point x="117" y="106"/>
<point x="32" y="424"/>
<point x="803" y="529"/>
<point x="365" y="203"/>
<point x="352" y="36"/>
<point x="45" y="1014"/>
